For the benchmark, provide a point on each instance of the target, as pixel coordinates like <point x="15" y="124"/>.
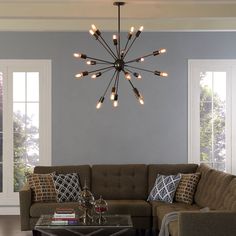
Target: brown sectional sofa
<point x="126" y="188"/>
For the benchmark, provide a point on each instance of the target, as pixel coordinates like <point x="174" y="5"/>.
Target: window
<point x="211" y="104"/>
<point x="25" y="123"/>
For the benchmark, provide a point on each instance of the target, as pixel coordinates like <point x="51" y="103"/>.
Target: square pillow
<point x="164" y="188"/>
<point x="67" y="187"/>
<point x="186" y="188"/>
<point x="42" y="187"/>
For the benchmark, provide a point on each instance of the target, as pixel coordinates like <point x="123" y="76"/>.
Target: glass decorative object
<point x="100" y="207"/>
<point x="87" y="204"/>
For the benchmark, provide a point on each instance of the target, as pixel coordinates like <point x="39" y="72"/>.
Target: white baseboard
<point x="9" y="210"/>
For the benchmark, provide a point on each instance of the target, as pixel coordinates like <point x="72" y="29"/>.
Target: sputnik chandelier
<point x="122" y="68"/>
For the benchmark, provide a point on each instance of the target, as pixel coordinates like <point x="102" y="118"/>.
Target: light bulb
<point x="141" y="101"/>
<point x="115" y="39"/>
<point x="163" y="50"/>
<point x="91" y="62"/>
<point x="94" y="28"/>
<point x="100" y="102"/>
<point x="141" y="28"/>
<point x="141" y="59"/>
<point x="127" y="76"/>
<point x="113" y="91"/>
<point x="131" y="30"/>
<point x="163" y="74"/>
<point x="80" y="75"/>
<point x="91" y="32"/>
<point x="139" y="31"/>
<point x="80" y="55"/>
<point x="94" y="76"/>
<point x="130" y="33"/>
<point x="115" y="102"/>
<point x="137" y="75"/>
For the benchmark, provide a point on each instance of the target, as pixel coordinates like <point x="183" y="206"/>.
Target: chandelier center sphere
<point x="119" y="64"/>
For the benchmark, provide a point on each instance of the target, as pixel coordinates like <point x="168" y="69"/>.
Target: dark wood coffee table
<point x="113" y="226"/>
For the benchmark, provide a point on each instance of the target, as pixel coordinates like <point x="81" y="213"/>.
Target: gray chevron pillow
<point x="67" y="187"/>
<point x="164" y="188"/>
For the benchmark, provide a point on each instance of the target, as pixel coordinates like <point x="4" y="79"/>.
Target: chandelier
<point x="121" y="67"/>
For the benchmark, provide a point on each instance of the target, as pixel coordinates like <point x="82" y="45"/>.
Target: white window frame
<point x="194" y="69"/>
<point x="8" y="197"/>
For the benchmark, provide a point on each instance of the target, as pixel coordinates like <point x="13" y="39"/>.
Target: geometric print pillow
<point x="164" y="188"/>
<point x="67" y="187"/>
<point x="186" y="188"/>
<point x="42" y="187"/>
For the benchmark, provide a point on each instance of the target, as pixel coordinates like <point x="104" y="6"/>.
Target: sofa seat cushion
<point x="131" y="207"/>
<point x="174" y="228"/>
<point x="38" y="209"/>
<point x="160" y="209"/>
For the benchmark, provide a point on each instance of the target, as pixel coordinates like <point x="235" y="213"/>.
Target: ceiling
<point x="155" y="15"/>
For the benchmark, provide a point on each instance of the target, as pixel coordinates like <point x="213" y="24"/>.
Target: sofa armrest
<point x="213" y="223"/>
<point x="25" y="204"/>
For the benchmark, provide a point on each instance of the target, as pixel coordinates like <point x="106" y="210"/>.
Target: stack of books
<point x="64" y="216"/>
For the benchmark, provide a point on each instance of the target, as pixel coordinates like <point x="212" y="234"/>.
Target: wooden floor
<point x="10" y="226"/>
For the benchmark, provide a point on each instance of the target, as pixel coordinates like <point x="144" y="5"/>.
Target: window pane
<point x="1" y="177"/>
<point x="1" y="100"/>
<point x="19" y="175"/>
<point x="19" y="117"/>
<point x="33" y="86"/>
<point x="32" y="117"/>
<point x="32" y="149"/>
<point x="1" y="143"/>
<point x="19" y="86"/>
<point x="212" y="119"/>
<point x="19" y="147"/>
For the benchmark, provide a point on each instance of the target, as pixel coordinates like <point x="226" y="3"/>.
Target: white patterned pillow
<point x="67" y="187"/>
<point x="164" y="188"/>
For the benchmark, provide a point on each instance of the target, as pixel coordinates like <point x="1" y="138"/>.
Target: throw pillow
<point x="42" y="187"/>
<point x="164" y="188"/>
<point x="187" y="186"/>
<point x="67" y="187"/>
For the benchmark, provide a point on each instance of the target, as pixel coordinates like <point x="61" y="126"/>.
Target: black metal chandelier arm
<point x="138" y="58"/>
<point x="155" y="53"/>
<point x="131" y="84"/>
<point x="109" y="84"/>
<point x="119" y="31"/>
<point x="107" y="47"/>
<point x="101" y="60"/>
<point x="100" y="69"/>
<point x="129" y="47"/>
<point x="137" y="68"/>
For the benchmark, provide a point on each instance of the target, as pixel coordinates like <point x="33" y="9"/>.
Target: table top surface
<point x="112" y="221"/>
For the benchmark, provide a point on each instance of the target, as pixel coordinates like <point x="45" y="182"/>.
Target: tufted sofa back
<point x="213" y="189"/>
<point x="120" y="181"/>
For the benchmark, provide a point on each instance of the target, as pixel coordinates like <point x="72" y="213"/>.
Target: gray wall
<point x="153" y="133"/>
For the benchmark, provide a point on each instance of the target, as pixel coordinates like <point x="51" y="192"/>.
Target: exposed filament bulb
<point x="115" y="102"/>
<point x="91" y="62"/>
<point x="127" y="76"/>
<point x="100" y="102"/>
<point x="113" y="91"/>
<point x="80" y="55"/>
<point x="94" y="76"/>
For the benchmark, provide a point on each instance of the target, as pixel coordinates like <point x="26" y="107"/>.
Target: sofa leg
<point x="36" y="233"/>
